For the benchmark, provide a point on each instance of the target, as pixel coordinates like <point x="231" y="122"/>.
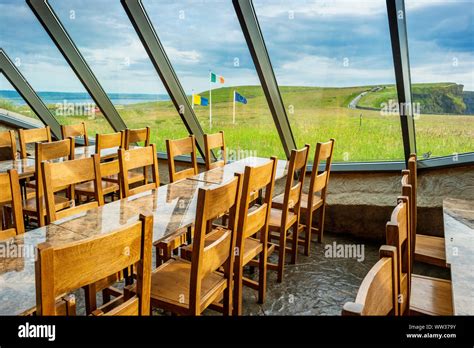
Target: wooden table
<point x="458" y="218"/>
<point x="173" y="207"/>
<point x="222" y="175"/>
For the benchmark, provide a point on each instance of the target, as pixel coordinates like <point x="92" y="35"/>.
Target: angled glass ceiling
<point x="441" y="44"/>
<point x="40" y="62"/>
<point x="201" y="37"/>
<point x="333" y="64"/>
<point x="107" y="40"/>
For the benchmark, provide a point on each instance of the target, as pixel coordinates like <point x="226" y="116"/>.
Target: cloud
<point x="183" y="57"/>
<point x="331" y="72"/>
<point x="198" y="36"/>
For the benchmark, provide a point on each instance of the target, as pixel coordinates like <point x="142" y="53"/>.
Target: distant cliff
<point x="433" y="98"/>
<point x="439" y="99"/>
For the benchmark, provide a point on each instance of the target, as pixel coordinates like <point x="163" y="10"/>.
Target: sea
<point x="83" y="98"/>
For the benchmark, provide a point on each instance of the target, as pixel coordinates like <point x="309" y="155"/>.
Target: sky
<point x="334" y="43"/>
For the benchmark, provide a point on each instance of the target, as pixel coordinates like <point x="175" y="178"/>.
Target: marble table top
<point x="458" y="218"/>
<point x="88" y="151"/>
<point x="221" y="175"/>
<point x="25" y="166"/>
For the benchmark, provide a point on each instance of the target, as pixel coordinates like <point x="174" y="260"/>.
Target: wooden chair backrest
<point x="179" y="147"/>
<point x="413" y="181"/>
<point x="28" y="136"/>
<point x="407" y="191"/>
<point x="294" y="188"/>
<point x="141" y="135"/>
<point x="10" y="193"/>
<point x="108" y="141"/>
<point x="215" y="141"/>
<point x="61" y="149"/>
<point x="7" y="141"/>
<point x="377" y="294"/>
<point x="319" y="182"/>
<point x="398" y="235"/>
<point x="212" y="203"/>
<point x="75" y="130"/>
<point x="66" y="174"/>
<point x="253" y="220"/>
<point x="64" y="268"/>
<point x="142" y="157"/>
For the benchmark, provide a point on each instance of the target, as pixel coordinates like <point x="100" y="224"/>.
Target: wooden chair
<point x="115" y="140"/>
<point x="7" y="145"/>
<point x="252" y="230"/>
<point x="29" y="136"/>
<point x="180" y="147"/>
<point x="188" y="288"/>
<point x="56" y="176"/>
<point x="428" y="295"/>
<point x="142" y="157"/>
<point x="377" y="294"/>
<point x="398" y="235"/>
<point x="75" y="130"/>
<point x="141" y="135"/>
<point x="215" y="141"/>
<point x="77" y="264"/>
<point x="10" y="193"/>
<point x="108" y="141"/>
<point x="107" y="169"/>
<point x="288" y="216"/>
<point x="427" y="249"/>
<point x="58" y="150"/>
<point x="315" y="199"/>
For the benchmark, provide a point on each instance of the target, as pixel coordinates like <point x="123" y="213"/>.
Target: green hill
<point x="309" y="96"/>
<point x="433" y="98"/>
<point x="315" y="114"/>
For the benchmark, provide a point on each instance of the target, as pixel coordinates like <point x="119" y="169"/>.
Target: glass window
<point x="43" y="66"/>
<point x="12" y="103"/>
<point x="105" y="37"/>
<point x="441" y="45"/>
<point x="205" y="44"/>
<point x="333" y="63"/>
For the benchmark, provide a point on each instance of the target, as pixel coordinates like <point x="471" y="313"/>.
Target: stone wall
<point x="361" y="203"/>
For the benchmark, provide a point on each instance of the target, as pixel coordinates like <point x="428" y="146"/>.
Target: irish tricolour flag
<point x="213" y="78"/>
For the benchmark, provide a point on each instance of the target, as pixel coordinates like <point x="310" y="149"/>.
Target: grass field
<point x="315" y="114"/>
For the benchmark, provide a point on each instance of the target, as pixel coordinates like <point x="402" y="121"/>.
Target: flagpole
<point x="233" y="110"/>
<point x="210" y="100"/>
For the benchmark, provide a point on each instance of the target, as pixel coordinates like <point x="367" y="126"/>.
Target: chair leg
<point x="227" y="307"/>
<point x="237" y="303"/>
<point x="294" y="244"/>
<point x="262" y="276"/>
<point x="90" y="295"/>
<point x="321" y="223"/>
<point x="307" y="233"/>
<point x="281" y="255"/>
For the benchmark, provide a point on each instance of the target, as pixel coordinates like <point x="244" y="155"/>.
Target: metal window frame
<point x="57" y="32"/>
<point x="19" y="82"/>
<point x="401" y="61"/>
<point x="140" y="20"/>
<point x="256" y="44"/>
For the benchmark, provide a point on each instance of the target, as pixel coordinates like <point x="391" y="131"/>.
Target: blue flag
<point x="240" y="98"/>
<point x="204" y="101"/>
